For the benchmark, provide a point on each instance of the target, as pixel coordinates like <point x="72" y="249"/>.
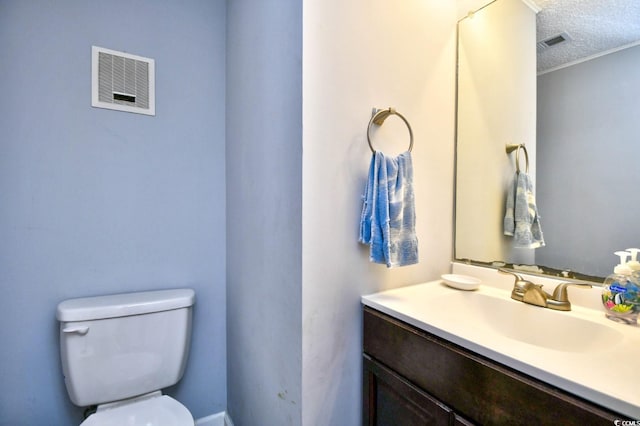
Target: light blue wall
<point x="94" y="201"/>
<point x="588" y="162"/>
<point x="264" y="211"/>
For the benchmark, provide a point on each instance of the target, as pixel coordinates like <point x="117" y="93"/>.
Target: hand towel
<point x="387" y="223"/>
<point x="521" y="219"/>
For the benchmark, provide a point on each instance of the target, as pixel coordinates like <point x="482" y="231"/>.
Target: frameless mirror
<point x="564" y="82"/>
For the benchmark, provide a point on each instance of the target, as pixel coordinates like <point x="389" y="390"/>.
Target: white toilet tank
<point x="123" y="345"/>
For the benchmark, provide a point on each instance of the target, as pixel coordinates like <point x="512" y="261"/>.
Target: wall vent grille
<point x="122" y="81"/>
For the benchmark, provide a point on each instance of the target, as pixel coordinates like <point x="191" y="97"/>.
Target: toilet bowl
<point x="119" y="351"/>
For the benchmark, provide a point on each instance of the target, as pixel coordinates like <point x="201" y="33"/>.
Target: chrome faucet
<point x="533" y="294"/>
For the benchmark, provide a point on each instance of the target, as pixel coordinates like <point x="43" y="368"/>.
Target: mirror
<point x="575" y="105"/>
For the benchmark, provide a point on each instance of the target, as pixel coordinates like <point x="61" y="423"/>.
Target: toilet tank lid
<point x="122" y="305"/>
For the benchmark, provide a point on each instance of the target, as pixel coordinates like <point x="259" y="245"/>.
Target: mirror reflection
<point x="563" y="82"/>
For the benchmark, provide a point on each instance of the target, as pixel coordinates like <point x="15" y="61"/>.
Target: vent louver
<point x="122" y="81"/>
<point x="553" y="41"/>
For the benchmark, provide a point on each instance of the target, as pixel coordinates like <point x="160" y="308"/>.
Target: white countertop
<point x="605" y="371"/>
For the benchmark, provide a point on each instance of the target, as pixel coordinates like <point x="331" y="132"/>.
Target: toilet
<point x="119" y="351"/>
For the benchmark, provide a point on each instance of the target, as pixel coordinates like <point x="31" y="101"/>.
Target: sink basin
<point x="537" y="326"/>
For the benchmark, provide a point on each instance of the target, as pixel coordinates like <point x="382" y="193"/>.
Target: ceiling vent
<point x="553" y="41"/>
<point x="122" y="82"/>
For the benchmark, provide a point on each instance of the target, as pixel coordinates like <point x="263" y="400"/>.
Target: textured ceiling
<point x="593" y="26"/>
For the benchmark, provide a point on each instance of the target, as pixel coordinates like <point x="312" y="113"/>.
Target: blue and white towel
<point x="388" y="218"/>
<point x="521" y="219"/>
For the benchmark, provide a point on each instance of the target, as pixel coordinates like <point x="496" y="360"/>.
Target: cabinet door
<point x="390" y="400"/>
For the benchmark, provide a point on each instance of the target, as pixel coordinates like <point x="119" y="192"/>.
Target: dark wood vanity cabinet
<point x="412" y="377"/>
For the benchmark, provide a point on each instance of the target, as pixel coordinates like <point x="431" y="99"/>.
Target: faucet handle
<point x="519" y="280"/>
<point x="560" y="299"/>
<point x="520" y="285"/>
<point x="560" y="292"/>
<point x="505" y="271"/>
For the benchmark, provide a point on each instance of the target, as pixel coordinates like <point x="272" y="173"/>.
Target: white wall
<point x="358" y="55"/>
<point x="466" y="6"/>
<point x="496" y="106"/>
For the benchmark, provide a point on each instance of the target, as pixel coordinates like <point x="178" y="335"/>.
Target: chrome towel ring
<point x="517" y="147"/>
<point x="378" y="117"/>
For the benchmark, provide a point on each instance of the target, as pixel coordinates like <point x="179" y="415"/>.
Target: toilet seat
<point x="156" y="410"/>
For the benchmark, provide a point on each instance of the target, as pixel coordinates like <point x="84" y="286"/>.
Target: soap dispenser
<point x="620" y="293"/>
<point x="633" y="263"/>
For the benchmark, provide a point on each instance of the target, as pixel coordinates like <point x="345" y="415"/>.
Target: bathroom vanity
<point x="436" y="355"/>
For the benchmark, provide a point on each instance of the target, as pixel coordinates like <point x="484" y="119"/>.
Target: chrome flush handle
<point x="78" y="329"/>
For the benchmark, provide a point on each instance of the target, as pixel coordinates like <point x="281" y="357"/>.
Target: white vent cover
<point x="122" y="81"/>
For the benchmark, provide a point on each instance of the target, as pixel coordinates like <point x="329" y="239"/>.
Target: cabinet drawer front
<point x="391" y="400"/>
<point x="479" y="389"/>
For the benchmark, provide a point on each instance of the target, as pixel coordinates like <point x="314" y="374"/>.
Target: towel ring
<point x="378" y="117"/>
<point x="517" y="147"/>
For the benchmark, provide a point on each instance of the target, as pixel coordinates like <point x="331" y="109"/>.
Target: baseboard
<point x="218" y="419"/>
<point x="227" y="420"/>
